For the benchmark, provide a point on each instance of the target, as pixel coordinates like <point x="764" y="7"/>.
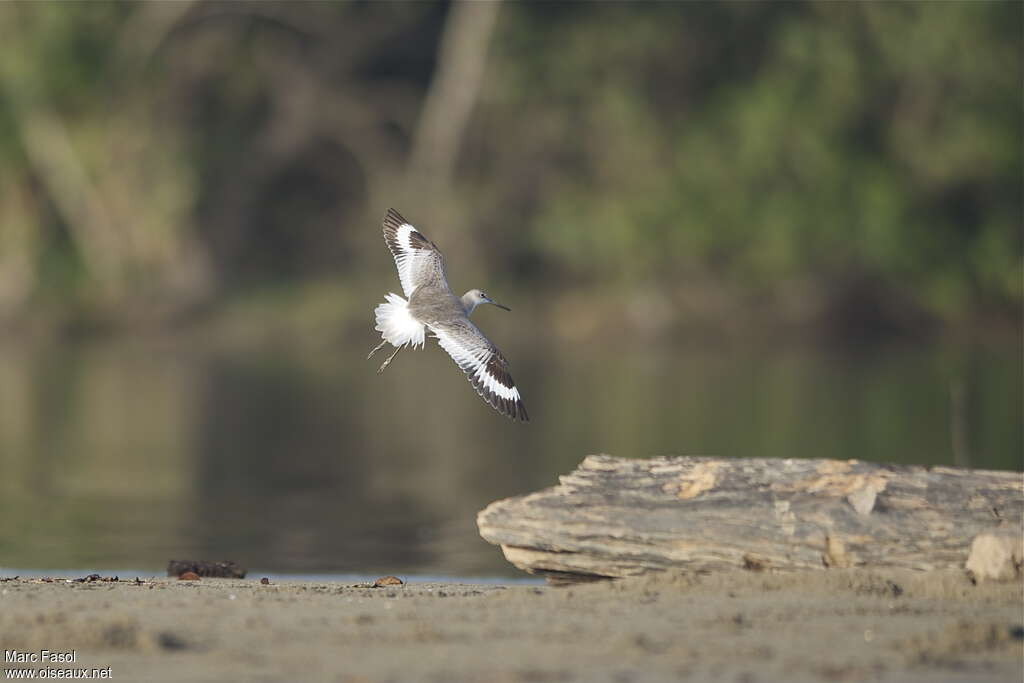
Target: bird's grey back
<point x="433" y="303"/>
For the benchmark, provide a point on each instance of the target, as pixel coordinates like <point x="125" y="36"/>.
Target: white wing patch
<point x="404" y="258"/>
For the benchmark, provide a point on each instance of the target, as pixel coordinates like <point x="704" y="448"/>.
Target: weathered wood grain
<point x="616" y="517"/>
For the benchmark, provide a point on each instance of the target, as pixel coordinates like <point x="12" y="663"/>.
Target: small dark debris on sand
<point x="96" y="577"/>
<point x="265" y="581"/>
<point x="221" y="570"/>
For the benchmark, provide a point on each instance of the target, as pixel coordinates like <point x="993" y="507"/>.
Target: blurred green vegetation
<point x="851" y="164"/>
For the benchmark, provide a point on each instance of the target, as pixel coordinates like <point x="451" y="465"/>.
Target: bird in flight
<point x="431" y="305"/>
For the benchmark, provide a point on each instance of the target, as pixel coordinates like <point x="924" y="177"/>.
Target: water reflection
<point x="126" y="455"/>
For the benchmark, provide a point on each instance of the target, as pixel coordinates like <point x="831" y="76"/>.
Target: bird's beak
<point x="491" y="301"/>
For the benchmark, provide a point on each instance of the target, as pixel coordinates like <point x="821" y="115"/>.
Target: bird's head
<point x="475" y="297"/>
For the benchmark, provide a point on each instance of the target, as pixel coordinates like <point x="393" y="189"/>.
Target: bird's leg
<point x="385" y="363"/>
<point x="376" y="349"/>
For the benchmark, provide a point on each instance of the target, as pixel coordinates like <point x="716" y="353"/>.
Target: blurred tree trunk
<point x="18" y="244"/>
<point x="446" y="110"/>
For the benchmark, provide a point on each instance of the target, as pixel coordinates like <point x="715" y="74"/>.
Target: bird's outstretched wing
<point x="418" y="259"/>
<point x="485" y="367"/>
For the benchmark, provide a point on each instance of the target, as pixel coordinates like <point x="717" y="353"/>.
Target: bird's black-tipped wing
<point x="418" y="259"/>
<point x="485" y="367"/>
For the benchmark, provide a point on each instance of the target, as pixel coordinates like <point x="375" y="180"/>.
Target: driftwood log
<point x="617" y="517"/>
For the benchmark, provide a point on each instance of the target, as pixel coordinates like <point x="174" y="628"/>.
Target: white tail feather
<point x="396" y="324"/>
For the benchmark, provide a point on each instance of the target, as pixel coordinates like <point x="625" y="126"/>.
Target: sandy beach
<point x="840" y="625"/>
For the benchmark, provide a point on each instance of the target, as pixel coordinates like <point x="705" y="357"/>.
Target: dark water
<point x="118" y="455"/>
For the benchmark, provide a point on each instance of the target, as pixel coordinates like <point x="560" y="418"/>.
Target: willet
<point x="431" y="305"/>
